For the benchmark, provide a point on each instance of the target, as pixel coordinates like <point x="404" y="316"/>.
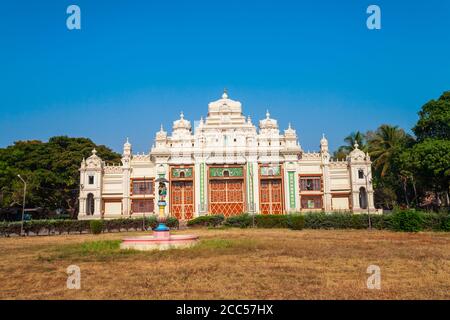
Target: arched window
<point x="362" y="198"/>
<point x="182" y="174"/>
<point x="226" y="173"/>
<point x="90" y="205"/>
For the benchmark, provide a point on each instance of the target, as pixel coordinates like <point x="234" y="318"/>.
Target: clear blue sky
<point x="136" y="64"/>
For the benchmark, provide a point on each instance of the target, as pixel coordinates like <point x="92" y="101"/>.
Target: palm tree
<point x="350" y="140"/>
<point x="382" y="145"/>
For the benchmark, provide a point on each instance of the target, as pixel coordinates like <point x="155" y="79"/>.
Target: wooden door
<point x="182" y="199"/>
<point x="227" y="197"/>
<point x="271" y="196"/>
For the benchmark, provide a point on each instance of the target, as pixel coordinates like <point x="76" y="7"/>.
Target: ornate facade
<point x="226" y="166"/>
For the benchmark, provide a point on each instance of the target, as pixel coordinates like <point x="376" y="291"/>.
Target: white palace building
<point x="226" y="166"/>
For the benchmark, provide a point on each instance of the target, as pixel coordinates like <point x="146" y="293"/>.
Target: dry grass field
<point x="231" y="264"/>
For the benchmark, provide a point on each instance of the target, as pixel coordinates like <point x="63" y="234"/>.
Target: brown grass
<point x="231" y="264"/>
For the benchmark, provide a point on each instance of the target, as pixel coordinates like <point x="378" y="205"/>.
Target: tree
<point x="430" y="160"/>
<point x="434" y="119"/>
<point x="383" y="144"/>
<point x="350" y="141"/>
<point x="430" y="157"/>
<point x="50" y="168"/>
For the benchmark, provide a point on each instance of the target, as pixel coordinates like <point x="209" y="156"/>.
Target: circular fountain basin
<point x="160" y="240"/>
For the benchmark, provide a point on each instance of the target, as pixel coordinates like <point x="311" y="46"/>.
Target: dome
<point x="289" y="132"/>
<point x="268" y="123"/>
<point x="161" y="134"/>
<point x="181" y="123"/>
<point x="357" y="154"/>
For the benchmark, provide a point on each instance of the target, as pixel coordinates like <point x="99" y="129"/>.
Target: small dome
<point x="268" y="123"/>
<point x="225" y="94"/>
<point x="182" y="123"/>
<point x="127" y="144"/>
<point x="289" y="131"/>
<point x="161" y="134"/>
<point x="357" y="154"/>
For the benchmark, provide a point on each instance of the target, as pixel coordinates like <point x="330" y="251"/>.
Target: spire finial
<point x="267" y="114"/>
<point x="289" y="126"/>
<point x="181" y="115"/>
<point x="225" y="93"/>
<point x="94" y="152"/>
<point x="162" y="129"/>
<point x="356" y="145"/>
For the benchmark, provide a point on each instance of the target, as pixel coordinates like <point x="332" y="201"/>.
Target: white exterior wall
<point x="226" y="136"/>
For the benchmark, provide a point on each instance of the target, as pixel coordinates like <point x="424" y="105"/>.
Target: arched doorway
<point x="362" y="198"/>
<point x="90" y="205"/>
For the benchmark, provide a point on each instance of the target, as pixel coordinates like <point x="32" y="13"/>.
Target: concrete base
<point x="159" y="241"/>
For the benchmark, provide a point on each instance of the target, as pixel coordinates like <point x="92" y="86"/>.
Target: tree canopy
<point x="434" y="119"/>
<point x="407" y="168"/>
<point x="50" y="169"/>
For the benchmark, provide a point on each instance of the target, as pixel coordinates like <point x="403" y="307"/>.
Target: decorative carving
<point x="271" y="170"/>
<point x="182" y="172"/>
<point x="226" y="172"/>
<point x="113" y="169"/>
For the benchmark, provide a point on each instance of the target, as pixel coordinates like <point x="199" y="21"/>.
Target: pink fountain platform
<point x="160" y="240"/>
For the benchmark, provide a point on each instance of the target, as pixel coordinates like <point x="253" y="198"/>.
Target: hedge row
<point x="406" y="220"/>
<point x="293" y="221"/>
<point x="81" y="226"/>
<point x="207" y="221"/>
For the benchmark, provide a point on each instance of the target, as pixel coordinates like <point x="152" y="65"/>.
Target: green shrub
<point x="336" y="220"/>
<point x="3" y="228"/>
<point x="207" y="221"/>
<point x="271" y="221"/>
<point x="445" y="221"/>
<point x="172" y="222"/>
<point x="13" y="228"/>
<point x="433" y="221"/>
<point x="96" y="226"/>
<point x="407" y="220"/>
<point x="296" y="221"/>
<point x="240" y="221"/>
<point x="381" y="221"/>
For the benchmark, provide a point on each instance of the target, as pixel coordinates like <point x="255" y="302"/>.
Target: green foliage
<point x="407" y="170"/>
<point x="434" y="119"/>
<point x="407" y="220"/>
<point x="350" y="140"/>
<point x="430" y="160"/>
<point x="292" y="221"/>
<point x="207" y="221"/>
<point x="322" y="220"/>
<point x="96" y="226"/>
<point x="296" y="221"/>
<point x="271" y="221"/>
<point x="50" y="168"/>
<point x="384" y="144"/>
<point x="172" y="222"/>
<point x="240" y="221"/>
<point x="56" y="226"/>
